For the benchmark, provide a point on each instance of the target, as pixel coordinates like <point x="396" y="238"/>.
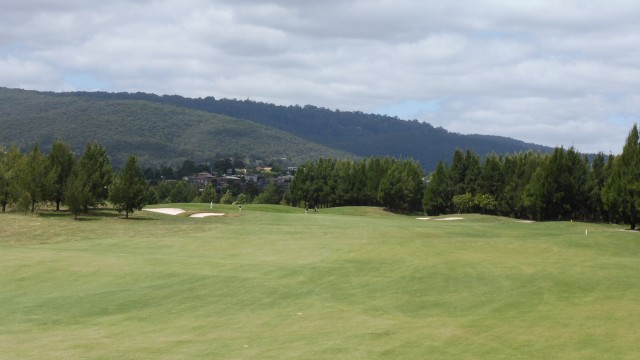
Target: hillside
<point x="354" y="132"/>
<point x="170" y="127"/>
<point x="155" y="132"/>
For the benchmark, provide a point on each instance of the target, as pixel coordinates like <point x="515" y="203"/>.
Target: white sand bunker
<point x="168" y="211"/>
<point x="423" y="218"/>
<point x="450" y="219"/>
<point x="201" y="215"/>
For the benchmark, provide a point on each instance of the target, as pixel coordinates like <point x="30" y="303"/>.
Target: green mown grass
<point x="271" y="282"/>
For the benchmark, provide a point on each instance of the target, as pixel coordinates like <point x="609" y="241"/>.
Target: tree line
<point x="562" y="185"/>
<point x="393" y="183"/>
<point x="30" y="180"/>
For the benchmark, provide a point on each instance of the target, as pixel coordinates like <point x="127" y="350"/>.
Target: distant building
<point x="225" y="181"/>
<point x="202" y="179"/>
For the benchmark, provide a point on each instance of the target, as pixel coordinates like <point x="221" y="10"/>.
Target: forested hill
<point x="354" y="132"/>
<point x="156" y="133"/>
<point x="350" y="132"/>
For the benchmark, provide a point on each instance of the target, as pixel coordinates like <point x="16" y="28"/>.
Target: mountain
<point x="346" y="133"/>
<point x="157" y="133"/>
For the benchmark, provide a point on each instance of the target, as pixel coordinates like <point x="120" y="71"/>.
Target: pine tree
<point x="438" y="195"/>
<point x="34" y="178"/>
<point x="77" y="191"/>
<point x="60" y="161"/>
<point x="402" y="188"/>
<point x="227" y="198"/>
<point x="269" y="195"/>
<point x="96" y="167"/>
<point x="10" y="176"/>
<point x="128" y="190"/>
<point x="621" y="192"/>
<point x="209" y="194"/>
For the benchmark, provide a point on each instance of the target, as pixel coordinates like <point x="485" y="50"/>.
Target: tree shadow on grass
<point x="55" y="214"/>
<point x="86" y="218"/>
<point x="138" y="218"/>
<point x="93" y="215"/>
<point x="103" y="212"/>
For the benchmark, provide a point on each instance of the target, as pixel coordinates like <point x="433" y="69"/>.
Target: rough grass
<point x="272" y="282"/>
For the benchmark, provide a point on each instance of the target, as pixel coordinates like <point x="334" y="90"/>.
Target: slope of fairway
<point x="272" y="282"/>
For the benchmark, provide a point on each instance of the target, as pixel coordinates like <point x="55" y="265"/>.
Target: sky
<point x="557" y="73"/>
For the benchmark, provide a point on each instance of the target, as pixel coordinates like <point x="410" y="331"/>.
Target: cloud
<point x="555" y="73"/>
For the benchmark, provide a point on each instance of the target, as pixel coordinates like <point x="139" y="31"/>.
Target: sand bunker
<point x="201" y="215"/>
<point x="441" y="219"/>
<point x="168" y="211"/>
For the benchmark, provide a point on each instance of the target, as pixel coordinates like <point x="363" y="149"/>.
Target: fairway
<point x="272" y="282"/>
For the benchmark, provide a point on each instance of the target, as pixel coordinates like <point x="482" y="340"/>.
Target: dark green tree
<point x="209" y="194"/>
<point x="163" y="189"/>
<point x="222" y="166"/>
<point x="77" y="191"/>
<point x="438" y="195"/>
<point x="34" y="178"/>
<point x="188" y="168"/>
<point x="575" y="184"/>
<point x="241" y="199"/>
<point x="183" y="192"/>
<point x="492" y="176"/>
<point x="60" y="162"/>
<point x="376" y="169"/>
<point x="518" y="171"/>
<point x="96" y="168"/>
<point x="269" y="195"/>
<point x="300" y="186"/>
<point x="457" y="172"/>
<point x="597" y="178"/>
<point x="128" y="189"/>
<point x="227" y="198"/>
<point x="402" y="187"/>
<point x="534" y="194"/>
<point x="10" y="189"/>
<point x="4" y="179"/>
<point x="621" y="192"/>
<point x="342" y="184"/>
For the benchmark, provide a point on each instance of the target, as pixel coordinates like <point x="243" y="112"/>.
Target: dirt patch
<point x="167" y="211"/>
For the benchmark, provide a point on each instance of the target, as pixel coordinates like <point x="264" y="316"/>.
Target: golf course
<point x="272" y="282"/>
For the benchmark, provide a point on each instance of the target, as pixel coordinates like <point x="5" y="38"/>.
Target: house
<point x="227" y="180"/>
<point x="202" y="179"/>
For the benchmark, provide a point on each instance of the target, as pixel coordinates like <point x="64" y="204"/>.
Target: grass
<point x="271" y="282"/>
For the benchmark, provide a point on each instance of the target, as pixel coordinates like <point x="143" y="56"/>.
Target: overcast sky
<point x="557" y="72"/>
